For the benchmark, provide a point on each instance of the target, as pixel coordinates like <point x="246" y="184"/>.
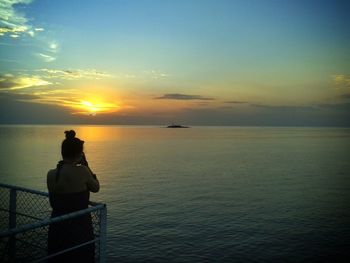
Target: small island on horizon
<point x="176" y="126"/>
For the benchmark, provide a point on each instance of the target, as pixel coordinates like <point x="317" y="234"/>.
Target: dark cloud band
<point x="178" y="96"/>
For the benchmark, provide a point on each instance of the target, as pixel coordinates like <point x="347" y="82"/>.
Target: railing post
<point x="12" y="224"/>
<point x="103" y="234"/>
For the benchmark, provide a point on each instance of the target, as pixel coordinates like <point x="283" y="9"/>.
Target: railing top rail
<point x="23" y="189"/>
<point x="94" y="206"/>
<point x="32" y="191"/>
<point x="49" y="221"/>
<point x="98" y="216"/>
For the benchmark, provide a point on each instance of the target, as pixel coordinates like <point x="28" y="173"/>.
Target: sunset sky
<point x="195" y="62"/>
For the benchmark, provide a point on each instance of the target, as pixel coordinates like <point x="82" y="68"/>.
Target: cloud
<point x="33" y="32"/>
<point x="53" y="47"/>
<point x="235" y="102"/>
<point x="266" y="115"/>
<point x="156" y="74"/>
<point x="17" y="96"/>
<point x="24" y="109"/>
<point x="10" y="82"/>
<point x="178" y="96"/>
<point x="283" y="107"/>
<point x="56" y="108"/>
<point x="341" y="80"/>
<point x="68" y="98"/>
<point x="337" y="106"/>
<point x="345" y="96"/>
<point x="13" y="22"/>
<point x="71" y="74"/>
<point x="62" y="92"/>
<point x="46" y="58"/>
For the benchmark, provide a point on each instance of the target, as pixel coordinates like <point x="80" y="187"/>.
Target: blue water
<point x="205" y="194"/>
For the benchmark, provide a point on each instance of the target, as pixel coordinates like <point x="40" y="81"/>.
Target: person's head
<point x="72" y="147"/>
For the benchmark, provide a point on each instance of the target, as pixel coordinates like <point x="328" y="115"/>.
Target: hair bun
<point x="70" y="134"/>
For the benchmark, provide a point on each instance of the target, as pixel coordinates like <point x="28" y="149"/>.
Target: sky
<point x="156" y="62"/>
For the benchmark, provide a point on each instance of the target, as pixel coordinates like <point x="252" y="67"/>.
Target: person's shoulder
<point x="83" y="169"/>
<point x="51" y="173"/>
<point x="84" y="172"/>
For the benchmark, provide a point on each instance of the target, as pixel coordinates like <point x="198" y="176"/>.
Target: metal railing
<point x="25" y="220"/>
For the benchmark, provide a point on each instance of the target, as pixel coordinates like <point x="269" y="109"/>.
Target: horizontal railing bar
<point x="42" y="223"/>
<point x="66" y="250"/>
<point x="23" y="189"/>
<point x="49" y="221"/>
<point x="25" y="215"/>
<point x="30" y="244"/>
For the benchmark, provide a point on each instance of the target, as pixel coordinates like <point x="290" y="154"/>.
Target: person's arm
<point x="49" y="181"/>
<point x="92" y="182"/>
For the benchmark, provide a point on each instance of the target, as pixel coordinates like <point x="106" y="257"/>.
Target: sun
<point x="94" y="107"/>
<point x="89" y="106"/>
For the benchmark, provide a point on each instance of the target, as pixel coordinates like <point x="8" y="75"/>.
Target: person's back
<point x="69" y="188"/>
<point x="71" y="179"/>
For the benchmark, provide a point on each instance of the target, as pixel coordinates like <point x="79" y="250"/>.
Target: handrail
<point x="23" y="189"/>
<point x="66" y="250"/>
<point x="32" y="191"/>
<point x="10" y="236"/>
<point x="48" y="221"/>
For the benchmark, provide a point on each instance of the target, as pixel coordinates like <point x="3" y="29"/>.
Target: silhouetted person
<point x="69" y="188"/>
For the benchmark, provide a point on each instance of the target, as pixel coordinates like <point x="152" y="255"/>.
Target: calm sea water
<point x="205" y="194"/>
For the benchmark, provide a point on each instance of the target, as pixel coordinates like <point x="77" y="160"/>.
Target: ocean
<point x="205" y="194"/>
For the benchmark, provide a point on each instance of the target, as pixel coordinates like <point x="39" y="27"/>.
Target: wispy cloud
<point x="336" y="106"/>
<point x="54" y="92"/>
<point x="235" y="102"/>
<point x="283" y="107"/>
<point x="10" y="82"/>
<point x="45" y="77"/>
<point x="345" y="96"/>
<point x="71" y="74"/>
<point x="178" y="96"/>
<point x="53" y="47"/>
<point x="63" y="98"/>
<point x="17" y="96"/>
<point x="156" y="74"/>
<point x="46" y="58"/>
<point x="12" y="22"/>
<point x="33" y="89"/>
<point x="341" y="80"/>
<point x="34" y="31"/>
<point x="144" y="75"/>
<point x="76" y="103"/>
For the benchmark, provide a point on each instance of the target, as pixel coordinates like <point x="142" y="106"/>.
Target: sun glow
<point x="95" y="107"/>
